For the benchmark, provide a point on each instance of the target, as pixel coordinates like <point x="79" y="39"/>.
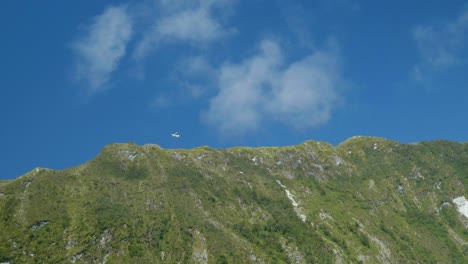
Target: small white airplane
<point x="175" y="135"/>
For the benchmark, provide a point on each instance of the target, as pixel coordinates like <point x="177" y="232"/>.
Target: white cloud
<point x="100" y="50"/>
<point x="186" y="21"/>
<point x="264" y="87"/>
<point x="441" y="46"/>
<point x="307" y="91"/>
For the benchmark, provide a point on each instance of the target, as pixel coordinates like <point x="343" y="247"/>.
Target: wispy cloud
<point x="185" y="21"/>
<point x="161" y="101"/>
<point x="99" y="51"/>
<point x="191" y="79"/>
<point x="441" y="46"/>
<point x="196" y="76"/>
<point x="196" y="66"/>
<point x="264" y="87"/>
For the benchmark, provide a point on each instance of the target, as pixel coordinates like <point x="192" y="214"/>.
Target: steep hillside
<point x="367" y="200"/>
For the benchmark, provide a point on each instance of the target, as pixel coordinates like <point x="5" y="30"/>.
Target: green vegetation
<point x="368" y="200"/>
<point x="4" y="182"/>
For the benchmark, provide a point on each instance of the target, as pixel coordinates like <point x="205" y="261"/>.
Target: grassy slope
<point x="367" y="200"/>
<point x="4" y="182"/>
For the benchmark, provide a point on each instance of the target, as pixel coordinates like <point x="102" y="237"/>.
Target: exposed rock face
<point x="366" y="200"/>
<point x="462" y="205"/>
<point x="39" y="225"/>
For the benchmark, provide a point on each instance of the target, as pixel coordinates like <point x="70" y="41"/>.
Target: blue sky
<point x="77" y="75"/>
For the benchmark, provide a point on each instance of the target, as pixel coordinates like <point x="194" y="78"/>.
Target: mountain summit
<point x="367" y="200"/>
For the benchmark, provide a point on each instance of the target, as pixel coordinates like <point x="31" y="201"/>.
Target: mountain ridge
<point x="346" y="141"/>
<point x="365" y="200"/>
